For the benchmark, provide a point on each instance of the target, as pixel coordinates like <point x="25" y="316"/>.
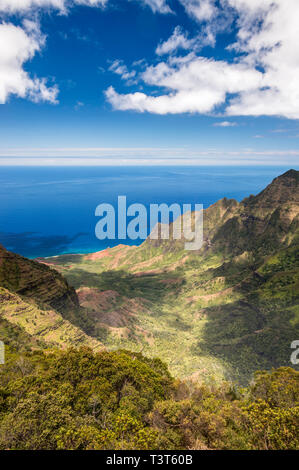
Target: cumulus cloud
<point x="263" y="79"/>
<point x="195" y="84"/>
<point x="274" y="48"/>
<point x="18" y="45"/>
<point x="21" y="6"/>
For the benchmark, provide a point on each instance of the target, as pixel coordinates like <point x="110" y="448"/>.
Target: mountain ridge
<point x="222" y="305"/>
<point x="40" y="301"/>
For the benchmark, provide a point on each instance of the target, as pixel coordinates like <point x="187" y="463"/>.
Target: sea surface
<point x="46" y="211"/>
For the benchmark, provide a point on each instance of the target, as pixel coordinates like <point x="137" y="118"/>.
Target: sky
<point x="117" y="82"/>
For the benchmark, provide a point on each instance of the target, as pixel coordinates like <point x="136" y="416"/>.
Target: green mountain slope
<point x="36" y="304"/>
<point x="221" y="312"/>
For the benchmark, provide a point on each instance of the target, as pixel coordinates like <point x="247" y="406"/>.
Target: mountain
<point x="35" y="305"/>
<point x="34" y="280"/>
<point x="221" y="312"/>
<point x="258" y="224"/>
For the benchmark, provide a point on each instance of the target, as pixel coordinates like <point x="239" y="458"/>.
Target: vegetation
<point x="78" y="399"/>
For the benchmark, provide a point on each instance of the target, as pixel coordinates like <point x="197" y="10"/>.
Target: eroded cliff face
<point x="38" y="307"/>
<point x="36" y="281"/>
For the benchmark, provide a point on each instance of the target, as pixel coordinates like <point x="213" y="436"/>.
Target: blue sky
<point x="149" y="81"/>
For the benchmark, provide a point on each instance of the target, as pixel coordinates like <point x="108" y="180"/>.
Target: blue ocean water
<point x="46" y="211"/>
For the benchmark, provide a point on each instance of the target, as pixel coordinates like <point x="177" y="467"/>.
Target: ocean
<point x="47" y="211"/>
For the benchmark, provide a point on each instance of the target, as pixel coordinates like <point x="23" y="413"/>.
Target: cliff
<point x="37" y="281"/>
<point x="37" y="306"/>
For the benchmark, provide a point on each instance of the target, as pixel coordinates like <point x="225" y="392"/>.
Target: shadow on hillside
<point x="153" y="287"/>
<point x="247" y="338"/>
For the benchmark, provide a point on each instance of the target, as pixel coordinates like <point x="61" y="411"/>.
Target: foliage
<point x="77" y="399"/>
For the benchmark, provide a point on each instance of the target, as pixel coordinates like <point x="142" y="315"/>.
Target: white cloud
<point x="178" y="40"/>
<point x="22" y="6"/>
<point x="158" y="6"/>
<point x="225" y="124"/>
<point x="212" y="20"/>
<point x="195" y="85"/>
<point x="121" y="69"/>
<point x="201" y="10"/>
<point x="251" y="6"/>
<point x="263" y="79"/>
<point x="275" y="48"/>
<point x="18" y="45"/>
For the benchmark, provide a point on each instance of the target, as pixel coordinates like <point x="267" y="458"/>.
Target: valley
<point x="219" y="313"/>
